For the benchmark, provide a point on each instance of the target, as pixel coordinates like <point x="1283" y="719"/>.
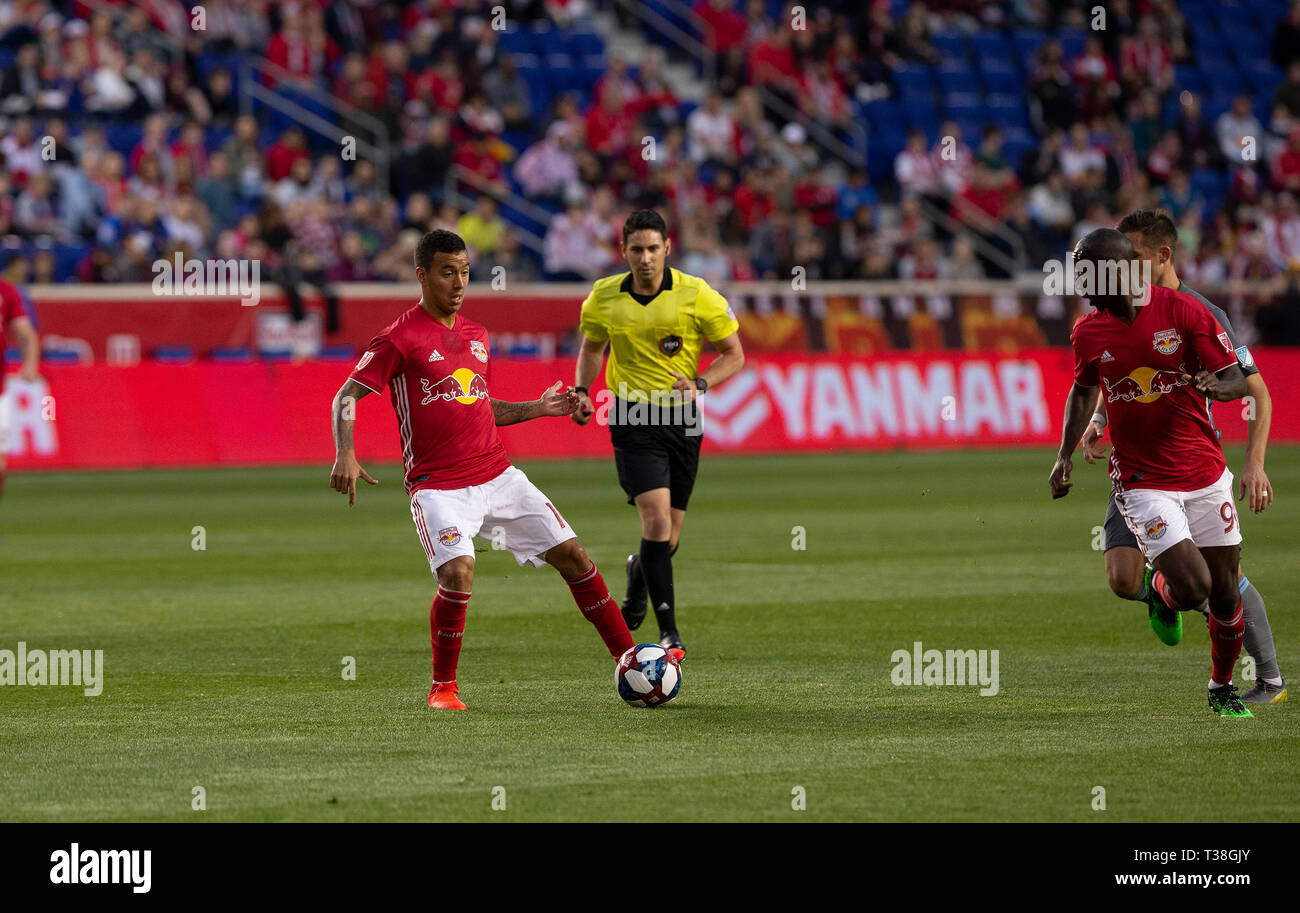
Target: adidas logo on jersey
<point x="435" y="355"/>
<point x="1106" y="356"/>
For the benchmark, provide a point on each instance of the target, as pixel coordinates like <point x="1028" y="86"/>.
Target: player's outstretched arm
<point x="1078" y="407"/>
<point x="1254" y="481"/>
<point x="346" y="470"/>
<point x="590" y="358"/>
<point x="1224" y="387"/>
<point x="554" y="402"/>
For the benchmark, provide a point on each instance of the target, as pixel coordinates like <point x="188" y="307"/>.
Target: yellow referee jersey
<point x="646" y="341"/>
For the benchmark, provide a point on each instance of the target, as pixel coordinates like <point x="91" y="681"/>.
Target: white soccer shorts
<point x="508" y="511"/>
<point x="1162" y="519"/>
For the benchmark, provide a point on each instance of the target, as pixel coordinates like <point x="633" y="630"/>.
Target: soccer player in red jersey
<point x="1155" y="358"/>
<point x="435" y="363"/>
<point x="14" y="319"/>
<point x="1155" y="239"/>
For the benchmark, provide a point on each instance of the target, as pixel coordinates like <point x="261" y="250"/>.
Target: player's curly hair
<point x="437" y="241"/>
<point x="1155" y="225"/>
<point x="644" y="220"/>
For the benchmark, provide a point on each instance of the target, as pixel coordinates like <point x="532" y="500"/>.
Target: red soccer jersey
<point x="11" y="308"/>
<point x="1159" y="425"/>
<point x="437" y="379"/>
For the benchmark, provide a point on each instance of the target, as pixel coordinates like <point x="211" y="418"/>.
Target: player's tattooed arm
<point x="1078" y="412"/>
<point x="346" y="469"/>
<point x="553" y="402"/>
<point x="1227" y="385"/>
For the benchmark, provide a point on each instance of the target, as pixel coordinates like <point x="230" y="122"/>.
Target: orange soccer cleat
<point x="445" y="696"/>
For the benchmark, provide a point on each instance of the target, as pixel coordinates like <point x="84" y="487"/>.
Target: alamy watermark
<point x="1097" y="278"/>
<point x="192" y="277"/>
<point x="82" y="668"/>
<point x="946" y="667"/>
<point x="648" y="408"/>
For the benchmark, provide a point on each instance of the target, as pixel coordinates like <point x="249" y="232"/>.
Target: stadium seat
<point x="957" y="81"/>
<point x="61" y="356"/>
<point x="950" y="45"/>
<point x="1027" y="42"/>
<point x="232" y="354"/>
<point x="963" y="103"/>
<point x="516" y="41"/>
<point x="586" y="44"/>
<point x="174" y="354"/>
<point x="989" y="46"/>
<point x="1072" y="42"/>
<point x="921" y="115"/>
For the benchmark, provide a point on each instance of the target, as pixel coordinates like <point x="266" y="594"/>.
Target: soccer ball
<point x="647" y="676"/>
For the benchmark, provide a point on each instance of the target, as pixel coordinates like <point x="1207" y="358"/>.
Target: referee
<point x="655" y="321"/>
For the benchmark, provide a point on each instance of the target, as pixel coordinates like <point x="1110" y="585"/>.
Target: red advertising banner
<point x="155" y="415"/>
<point x="121" y="323"/>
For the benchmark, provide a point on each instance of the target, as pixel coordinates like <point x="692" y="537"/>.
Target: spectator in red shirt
<point x="289" y="148"/>
<point x="725" y="25"/>
<point x="478" y="158"/>
<point x="772" y="64"/>
<point x="753" y="198"/>
<point x="608" y="123"/>
<point x="1286" y="169"/>
<point x="1146" y="60"/>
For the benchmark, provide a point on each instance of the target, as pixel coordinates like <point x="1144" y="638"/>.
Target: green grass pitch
<point x="223" y="666"/>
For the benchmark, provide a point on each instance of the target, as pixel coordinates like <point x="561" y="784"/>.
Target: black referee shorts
<point x="662" y="453"/>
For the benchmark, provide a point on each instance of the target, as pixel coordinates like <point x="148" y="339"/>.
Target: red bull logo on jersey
<point x="462" y="385"/>
<point x="1166" y="342"/>
<point x="1145" y="385"/>
<point x="479" y="350"/>
<point x="449" y="536"/>
<point x="1156" y="528"/>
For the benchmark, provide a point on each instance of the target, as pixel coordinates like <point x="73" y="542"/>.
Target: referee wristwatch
<point x="701" y="384"/>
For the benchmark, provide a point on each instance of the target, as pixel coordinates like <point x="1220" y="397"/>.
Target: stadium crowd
<point x="747" y="192"/>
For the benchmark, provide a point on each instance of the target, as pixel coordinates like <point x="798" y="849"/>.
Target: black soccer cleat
<point x="636" y="602"/>
<point x="1226" y="703"/>
<point x="672" y="642"/>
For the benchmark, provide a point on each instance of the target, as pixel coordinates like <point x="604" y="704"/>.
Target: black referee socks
<point x="657" y="567"/>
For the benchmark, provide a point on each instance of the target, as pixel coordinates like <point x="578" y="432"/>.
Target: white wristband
<point x="1099" y="419"/>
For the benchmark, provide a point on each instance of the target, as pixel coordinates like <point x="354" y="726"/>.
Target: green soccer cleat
<point x="1226" y="703"/>
<point x="1167" y="623"/>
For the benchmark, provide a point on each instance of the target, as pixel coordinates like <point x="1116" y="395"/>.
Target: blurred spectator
<point x="576" y="248"/>
<point x="34" y="213"/>
<point x="1288" y="93"/>
<point x="711" y="132"/>
<point x="548" y="167"/>
<point x="1179" y="198"/>
<point x="508" y="93"/>
<point x="1281" y="231"/>
<point x="952" y="158"/>
<point x="1286" y="169"/>
<point x="1146" y="59"/>
<point x="289" y="148"/>
<point x="1080" y="155"/>
<point x="857" y="193"/>
<point x="482" y="228"/>
<point x="1236" y="127"/>
<point x="1286" y="38"/>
